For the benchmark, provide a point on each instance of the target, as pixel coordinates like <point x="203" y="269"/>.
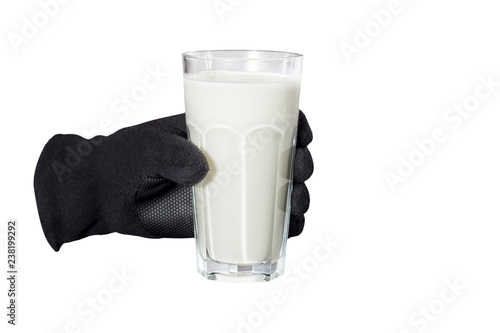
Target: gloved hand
<point x="136" y="181"/>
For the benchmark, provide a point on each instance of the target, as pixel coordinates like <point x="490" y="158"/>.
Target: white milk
<point x="245" y="124"/>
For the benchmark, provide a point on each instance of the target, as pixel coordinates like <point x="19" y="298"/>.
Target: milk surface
<point x="245" y="124"/>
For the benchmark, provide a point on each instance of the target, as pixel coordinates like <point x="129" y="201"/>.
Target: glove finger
<point x="303" y="165"/>
<point x="296" y="225"/>
<point x="181" y="161"/>
<point x="300" y="199"/>
<point x="304" y="132"/>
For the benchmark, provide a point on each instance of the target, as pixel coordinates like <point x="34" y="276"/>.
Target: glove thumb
<point x="180" y="161"/>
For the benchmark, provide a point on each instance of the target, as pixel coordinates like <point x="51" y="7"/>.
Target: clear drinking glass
<point x="242" y="112"/>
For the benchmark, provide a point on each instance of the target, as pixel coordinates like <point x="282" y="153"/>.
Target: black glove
<point x="136" y="181"/>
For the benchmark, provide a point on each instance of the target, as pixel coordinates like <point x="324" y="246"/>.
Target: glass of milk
<point x="242" y="110"/>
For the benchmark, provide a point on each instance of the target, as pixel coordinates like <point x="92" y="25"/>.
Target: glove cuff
<point x="66" y="190"/>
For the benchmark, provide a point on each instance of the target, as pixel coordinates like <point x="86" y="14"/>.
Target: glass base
<point x="265" y="271"/>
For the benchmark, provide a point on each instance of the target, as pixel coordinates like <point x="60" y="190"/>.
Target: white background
<point x="397" y="248"/>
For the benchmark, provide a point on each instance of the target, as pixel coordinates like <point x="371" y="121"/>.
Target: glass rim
<point x="278" y="55"/>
